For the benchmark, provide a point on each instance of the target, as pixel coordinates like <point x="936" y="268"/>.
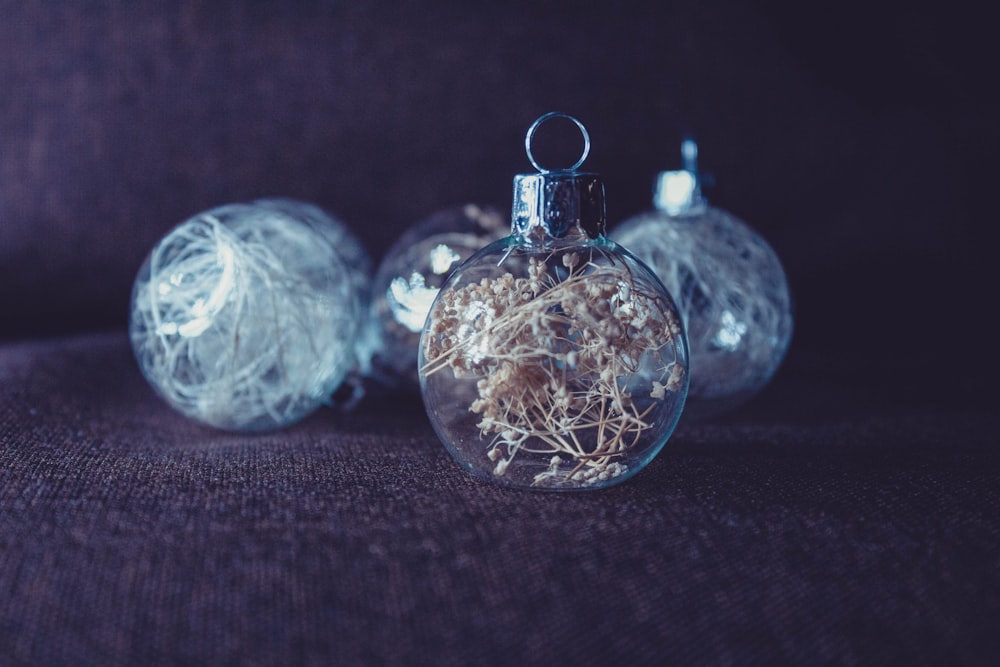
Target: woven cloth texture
<point x="130" y="535"/>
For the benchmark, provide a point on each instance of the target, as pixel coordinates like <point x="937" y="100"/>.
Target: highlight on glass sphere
<point x="244" y="317"/>
<point x="729" y="285"/>
<point x="554" y="359"/>
<point x="410" y="274"/>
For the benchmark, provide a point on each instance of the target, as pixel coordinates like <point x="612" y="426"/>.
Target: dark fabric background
<point x="848" y="515"/>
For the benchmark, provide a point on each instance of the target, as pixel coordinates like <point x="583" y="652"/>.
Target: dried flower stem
<point x="556" y="358"/>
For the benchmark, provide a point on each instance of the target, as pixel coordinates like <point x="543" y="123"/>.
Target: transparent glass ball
<point x="558" y="367"/>
<point x="733" y="297"/>
<point x="359" y="272"/>
<point x="410" y="275"/>
<point x="244" y="317"/>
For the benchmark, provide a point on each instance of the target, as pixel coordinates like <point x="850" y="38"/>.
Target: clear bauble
<point x="359" y="272"/>
<point x="729" y="285"/>
<point x="553" y="358"/>
<point x="409" y="276"/>
<point x="245" y="317"/>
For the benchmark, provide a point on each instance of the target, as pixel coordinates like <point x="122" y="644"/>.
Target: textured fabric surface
<point x="131" y="535"/>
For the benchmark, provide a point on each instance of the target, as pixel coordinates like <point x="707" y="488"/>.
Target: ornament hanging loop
<point x="689" y="155"/>
<point x="529" y="137"/>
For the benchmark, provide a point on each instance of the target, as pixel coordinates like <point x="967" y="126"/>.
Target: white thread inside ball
<point x="732" y="293"/>
<point x="244" y="318"/>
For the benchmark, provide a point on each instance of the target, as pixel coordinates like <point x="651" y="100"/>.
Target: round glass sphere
<point x="732" y="294"/>
<point x="557" y="366"/>
<point x="336" y="233"/>
<point x="244" y="317"/>
<point x="410" y="274"/>
<point x="359" y="272"/>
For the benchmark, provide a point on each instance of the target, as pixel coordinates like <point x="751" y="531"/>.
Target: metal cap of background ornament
<point x="558" y="203"/>
<point x="678" y="192"/>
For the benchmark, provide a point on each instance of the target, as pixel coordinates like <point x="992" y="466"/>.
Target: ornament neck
<point x="558" y="203"/>
<point x="678" y="193"/>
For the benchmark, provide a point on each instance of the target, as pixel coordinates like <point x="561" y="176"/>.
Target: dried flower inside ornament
<point x="568" y="365"/>
<point x="553" y="358"/>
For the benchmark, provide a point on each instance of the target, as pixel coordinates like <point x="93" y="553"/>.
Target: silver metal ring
<point x="531" y="134"/>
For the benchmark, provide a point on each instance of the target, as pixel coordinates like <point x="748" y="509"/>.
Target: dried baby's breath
<point x="555" y="356"/>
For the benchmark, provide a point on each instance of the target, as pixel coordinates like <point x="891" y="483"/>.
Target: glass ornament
<point x="553" y="358"/>
<point x="359" y="265"/>
<point x="409" y="276"/>
<point x="244" y="317"/>
<point x="729" y="284"/>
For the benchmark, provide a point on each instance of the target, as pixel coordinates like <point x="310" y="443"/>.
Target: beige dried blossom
<point x="556" y="361"/>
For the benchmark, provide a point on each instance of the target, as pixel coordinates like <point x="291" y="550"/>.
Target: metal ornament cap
<point x="558" y="204"/>
<point x="678" y="193"/>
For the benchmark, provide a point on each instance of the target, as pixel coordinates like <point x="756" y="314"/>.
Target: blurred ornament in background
<point x="728" y="282"/>
<point x="552" y="358"/>
<point x="246" y="316"/>
<point x="409" y="276"/>
<point x="359" y="265"/>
